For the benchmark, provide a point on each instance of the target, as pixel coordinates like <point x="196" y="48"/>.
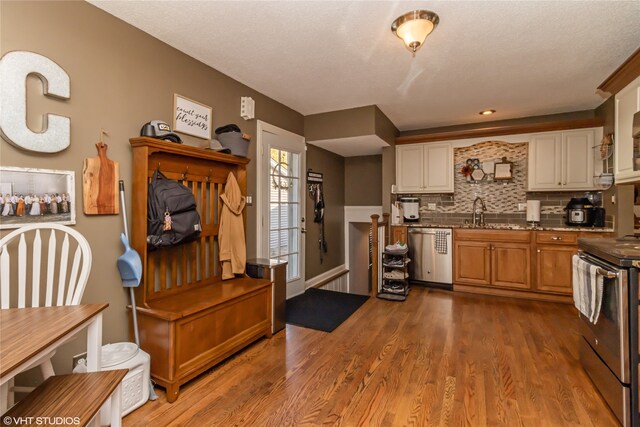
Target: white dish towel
<point x="587" y="289"/>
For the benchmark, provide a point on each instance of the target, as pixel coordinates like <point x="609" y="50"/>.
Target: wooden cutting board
<point x="100" y="184"/>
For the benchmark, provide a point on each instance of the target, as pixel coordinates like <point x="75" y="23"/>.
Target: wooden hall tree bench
<point x="189" y="318"/>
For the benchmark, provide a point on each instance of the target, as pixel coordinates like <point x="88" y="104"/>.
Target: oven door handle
<point x="606" y="273"/>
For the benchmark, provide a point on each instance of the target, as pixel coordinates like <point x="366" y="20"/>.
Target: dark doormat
<point x="321" y="309"/>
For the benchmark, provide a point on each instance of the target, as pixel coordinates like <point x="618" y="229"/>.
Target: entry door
<point x="281" y="201"/>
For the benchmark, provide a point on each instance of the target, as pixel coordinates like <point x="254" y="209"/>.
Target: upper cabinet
<point x="424" y="168"/>
<point x="627" y="103"/>
<point x="563" y="160"/>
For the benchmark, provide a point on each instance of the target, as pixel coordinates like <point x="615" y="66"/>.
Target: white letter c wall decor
<point x="14" y="69"/>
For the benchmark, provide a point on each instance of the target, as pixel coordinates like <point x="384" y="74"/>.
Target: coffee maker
<point x="411" y="207"/>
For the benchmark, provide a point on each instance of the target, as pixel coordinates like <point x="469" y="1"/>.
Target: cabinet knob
<point x="559" y="183"/>
<point x="538" y="251"/>
<point x="556" y="238"/>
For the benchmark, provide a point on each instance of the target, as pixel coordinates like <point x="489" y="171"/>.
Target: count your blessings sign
<point x="191" y="117"/>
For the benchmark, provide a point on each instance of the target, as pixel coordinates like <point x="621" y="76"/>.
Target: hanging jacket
<point x="233" y="247"/>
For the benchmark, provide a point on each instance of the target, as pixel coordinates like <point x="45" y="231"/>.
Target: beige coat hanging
<point x="233" y="247"/>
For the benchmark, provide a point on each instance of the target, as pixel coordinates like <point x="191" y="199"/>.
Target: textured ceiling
<point x="521" y="58"/>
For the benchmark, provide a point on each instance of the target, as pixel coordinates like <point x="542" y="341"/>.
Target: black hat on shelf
<point x="160" y="130"/>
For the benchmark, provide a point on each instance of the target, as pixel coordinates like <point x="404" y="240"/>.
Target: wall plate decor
<point x="191" y="117"/>
<point x="36" y="195"/>
<point x="488" y="166"/>
<point x="503" y="170"/>
<point x="15" y="67"/>
<point x="477" y="175"/>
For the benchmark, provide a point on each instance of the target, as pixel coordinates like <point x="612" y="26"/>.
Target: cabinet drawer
<point x="557" y="237"/>
<point x="493" y="235"/>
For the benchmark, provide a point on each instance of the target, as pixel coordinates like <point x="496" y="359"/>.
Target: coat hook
<point x="184" y="174"/>
<point x="208" y="178"/>
<point x="158" y="165"/>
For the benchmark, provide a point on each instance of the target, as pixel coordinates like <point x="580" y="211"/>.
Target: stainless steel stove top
<point x="622" y="251"/>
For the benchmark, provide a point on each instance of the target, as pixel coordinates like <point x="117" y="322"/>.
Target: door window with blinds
<point x="284" y="209"/>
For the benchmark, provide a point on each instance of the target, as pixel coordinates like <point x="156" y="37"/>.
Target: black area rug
<point x="322" y="310"/>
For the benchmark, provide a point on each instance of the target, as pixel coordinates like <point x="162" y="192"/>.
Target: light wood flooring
<point x="436" y="359"/>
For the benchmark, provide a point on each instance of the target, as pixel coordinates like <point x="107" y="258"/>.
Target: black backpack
<point x="172" y="217"/>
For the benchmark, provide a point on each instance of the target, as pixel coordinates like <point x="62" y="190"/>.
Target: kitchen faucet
<point x="474" y="218"/>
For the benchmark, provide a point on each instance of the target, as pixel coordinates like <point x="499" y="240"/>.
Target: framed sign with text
<point x="191" y="117"/>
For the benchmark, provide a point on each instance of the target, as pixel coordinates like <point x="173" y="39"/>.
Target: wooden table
<point x="28" y="334"/>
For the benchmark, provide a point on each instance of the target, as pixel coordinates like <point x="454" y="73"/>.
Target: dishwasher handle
<point x="430" y="232"/>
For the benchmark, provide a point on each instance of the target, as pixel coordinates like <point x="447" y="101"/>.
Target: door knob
<point x="303" y="230"/>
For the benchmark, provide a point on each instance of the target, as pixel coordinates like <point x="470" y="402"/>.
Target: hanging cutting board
<point x="100" y="184"/>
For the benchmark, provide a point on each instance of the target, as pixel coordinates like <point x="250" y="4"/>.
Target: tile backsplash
<point x="501" y="198"/>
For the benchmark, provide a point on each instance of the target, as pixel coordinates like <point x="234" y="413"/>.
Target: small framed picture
<point x="503" y="170"/>
<point x="36" y="195"/>
<point x="191" y="117"/>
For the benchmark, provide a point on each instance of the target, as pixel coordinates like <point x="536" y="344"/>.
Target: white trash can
<point x="135" y="385"/>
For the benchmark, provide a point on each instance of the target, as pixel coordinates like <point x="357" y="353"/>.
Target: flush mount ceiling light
<point x="414" y="27"/>
<point x="486" y="112"/>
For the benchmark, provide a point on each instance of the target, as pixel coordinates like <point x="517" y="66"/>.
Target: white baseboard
<point x="327" y="275"/>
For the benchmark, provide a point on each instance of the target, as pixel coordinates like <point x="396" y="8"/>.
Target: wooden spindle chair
<point x="56" y="279"/>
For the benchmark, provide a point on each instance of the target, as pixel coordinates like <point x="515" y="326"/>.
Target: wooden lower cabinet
<point x="554" y="269"/>
<point x="472" y="263"/>
<point x="511" y="265"/>
<point x="528" y="264"/>
<point x="488" y="258"/>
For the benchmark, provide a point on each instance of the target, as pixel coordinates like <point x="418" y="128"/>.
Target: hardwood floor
<point x="436" y="359"/>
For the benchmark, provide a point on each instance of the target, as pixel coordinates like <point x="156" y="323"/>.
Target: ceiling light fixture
<point x="414" y="27"/>
<point x="486" y="112"/>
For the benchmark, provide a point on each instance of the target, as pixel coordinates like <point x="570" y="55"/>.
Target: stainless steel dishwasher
<point x="430" y="253"/>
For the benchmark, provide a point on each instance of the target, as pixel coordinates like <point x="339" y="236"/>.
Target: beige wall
<point x="363" y="181"/>
<point x="340" y="124"/>
<point x="120" y="78"/>
<point x="369" y="120"/>
<point x="332" y="167"/>
<point x="386" y="130"/>
<point x="622" y="209"/>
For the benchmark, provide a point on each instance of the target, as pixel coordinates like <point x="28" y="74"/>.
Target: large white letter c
<point x="14" y="69"/>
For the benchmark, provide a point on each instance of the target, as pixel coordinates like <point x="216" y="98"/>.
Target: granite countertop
<point x="502" y="226"/>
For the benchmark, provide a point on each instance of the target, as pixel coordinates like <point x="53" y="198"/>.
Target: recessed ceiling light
<point x="486" y="112"/>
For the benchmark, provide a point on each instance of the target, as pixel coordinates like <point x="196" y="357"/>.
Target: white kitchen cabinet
<point x="409" y="168"/>
<point x="563" y="160"/>
<point x="424" y="168"/>
<point x="545" y="161"/>
<point x="627" y="103"/>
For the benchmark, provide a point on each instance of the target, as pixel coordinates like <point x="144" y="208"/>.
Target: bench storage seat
<point x="189" y="318"/>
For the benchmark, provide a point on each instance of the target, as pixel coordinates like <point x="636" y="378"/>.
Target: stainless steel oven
<point x="609" y="348"/>
<point x="609" y="337"/>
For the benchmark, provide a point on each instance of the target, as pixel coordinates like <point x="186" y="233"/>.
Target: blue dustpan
<point x="129" y="265"/>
